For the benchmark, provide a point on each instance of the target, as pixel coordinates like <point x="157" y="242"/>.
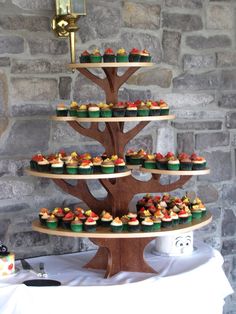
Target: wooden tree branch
<point x="94" y="78"/>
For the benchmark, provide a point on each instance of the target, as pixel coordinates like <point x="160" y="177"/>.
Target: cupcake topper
<point x="3" y="249"/>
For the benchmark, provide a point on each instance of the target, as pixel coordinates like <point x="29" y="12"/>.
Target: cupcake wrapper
<point x="156" y="226"/>
<point x="146" y="228"/>
<point x="95" y="59"/>
<point x="196" y="214"/>
<point x="199" y="166"/>
<point x="118" y="112"/>
<point x="183" y="220"/>
<point x="107" y="170"/>
<point x="90" y="228"/>
<point x="145" y="59"/>
<point x="109" y="58"/>
<point x="173" y="167"/>
<point x="96" y="168"/>
<point x="94" y="114"/>
<point x="131" y="113"/>
<point x="52" y="225"/>
<point x="166" y="224"/>
<point x="66" y="224"/>
<point x="120" y="168"/>
<point x="106" y="113"/>
<point x="44" y="168"/>
<point x="122" y="58"/>
<point x="149" y="165"/>
<point x="82" y="114"/>
<point x="85" y="170"/>
<point x="154" y="112"/>
<point x="186" y="166"/>
<point x="162" y="165"/>
<point x="62" y="113"/>
<point x="57" y="170"/>
<point x="143" y="112"/>
<point x="84" y="59"/>
<point x="135" y="161"/>
<point x="134" y="228"/>
<point x="116" y="228"/>
<point x="76" y="228"/>
<point x="72" y="170"/>
<point x="134" y="58"/>
<point x="164" y="112"/>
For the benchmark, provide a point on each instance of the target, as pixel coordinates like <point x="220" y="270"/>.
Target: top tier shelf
<point x="110" y="65"/>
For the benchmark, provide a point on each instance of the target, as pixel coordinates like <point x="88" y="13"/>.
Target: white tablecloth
<point x="193" y="284"/>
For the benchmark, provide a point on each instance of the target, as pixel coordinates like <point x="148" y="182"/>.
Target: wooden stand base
<point x="117" y="255"/>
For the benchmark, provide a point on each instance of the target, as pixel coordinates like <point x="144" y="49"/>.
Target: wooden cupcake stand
<point x="117" y="251"/>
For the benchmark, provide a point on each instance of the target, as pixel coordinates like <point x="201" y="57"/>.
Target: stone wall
<point x="193" y="47"/>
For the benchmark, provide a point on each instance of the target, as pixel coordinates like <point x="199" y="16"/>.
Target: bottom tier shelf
<point x="123" y="251"/>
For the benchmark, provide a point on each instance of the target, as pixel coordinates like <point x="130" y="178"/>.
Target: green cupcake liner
<point x="143" y="112"/>
<point x="173" y="167"/>
<point x="76" y="228"/>
<point x="156" y="226"/>
<point x="154" y="112"/>
<point x="108" y="170"/>
<point x="197" y="214"/>
<point x="186" y="166"/>
<point x="116" y="228"/>
<point x="82" y="113"/>
<point x="131" y="113"/>
<point x="94" y="114"/>
<point x="134" y="58"/>
<point x="146" y="228"/>
<point x="125" y="227"/>
<point x="120" y="58"/>
<point x="72" y="170"/>
<point x="51" y="224"/>
<point x="116" y="112"/>
<point x="58" y="170"/>
<point x="133" y="228"/>
<point x="183" y="220"/>
<point x="135" y="161"/>
<point x="149" y="164"/>
<point x="73" y="112"/>
<point x="164" y="112"/>
<point x="85" y="170"/>
<point x="95" y="59"/>
<point x="145" y="59"/>
<point x="84" y="59"/>
<point x="175" y="222"/>
<point x="106" y="113"/>
<point x="166" y="224"/>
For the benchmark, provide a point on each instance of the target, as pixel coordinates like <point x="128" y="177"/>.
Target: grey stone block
<point x="160" y="77"/>
<point x="228" y="247"/>
<point x="185" y="142"/>
<point x="13" y="208"/>
<point x="3" y="94"/>
<point x="208" y="193"/>
<point x="4" y="223"/>
<point x="197" y="125"/>
<point x="30" y="110"/>
<point x="11" y="44"/>
<point x="171" y="46"/>
<point x="190" y="4"/>
<point x="183" y="22"/>
<point x="228" y="192"/>
<point x="141" y="15"/>
<point x="28" y="239"/>
<point x="48" y="46"/>
<point x="219" y="16"/>
<point x="26" y="138"/>
<point x="11" y="167"/>
<point x="228" y="79"/>
<point x="31" y="23"/>
<point x="65" y="87"/>
<point x="228" y="223"/>
<point x="202" y="81"/>
<point x="39" y="66"/>
<point x="62" y="245"/>
<point x="85" y="91"/>
<point x="226" y="58"/>
<point x="195" y="62"/>
<point x="228" y="101"/>
<point x="34" y="4"/>
<point x="199" y="42"/>
<point x="103" y="21"/>
<point x="231" y="120"/>
<point x="220" y="164"/>
<point x="126" y="94"/>
<point x="5" y="62"/>
<point x="34" y="89"/>
<point x="209" y="140"/>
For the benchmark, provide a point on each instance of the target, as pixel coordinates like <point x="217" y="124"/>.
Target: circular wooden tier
<point x="110" y="65"/>
<point x="115" y="119"/>
<point x="78" y="176"/>
<point x="175" y="172"/>
<point x="105" y="233"/>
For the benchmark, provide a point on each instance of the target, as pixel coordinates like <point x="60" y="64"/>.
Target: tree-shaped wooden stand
<point x="122" y="252"/>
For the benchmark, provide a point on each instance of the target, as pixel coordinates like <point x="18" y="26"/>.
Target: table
<point x="193" y="283"/>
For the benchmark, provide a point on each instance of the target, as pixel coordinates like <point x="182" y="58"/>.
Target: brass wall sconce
<point x="64" y="22"/>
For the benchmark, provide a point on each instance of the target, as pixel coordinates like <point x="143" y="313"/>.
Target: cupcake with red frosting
<point x="199" y="163"/>
<point x="119" y="109"/>
<point x="85" y="167"/>
<point x="120" y="165"/>
<point x="134" y="55"/>
<point x="154" y="108"/>
<point x="109" y="55"/>
<point x="185" y="161"/>
<point x="164" y="108"/>
<point x="131" y="109"/>
<point x="133" y="225"/>
<point x="85" y="57"/>
<point x="90" y="225"/>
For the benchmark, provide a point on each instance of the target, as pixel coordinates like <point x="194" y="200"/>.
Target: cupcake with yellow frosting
<point x="73" y="109"/>
<point x="107" y="166"/>
<point x="95" y="56"/>
<point x="121" y="55"/>
<point x="51" y="222"/>
<point x="82" y="111"/>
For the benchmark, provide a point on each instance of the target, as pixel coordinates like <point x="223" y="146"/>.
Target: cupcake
<point x="116" y="225"/>
<point x="166" y="221"/>
<point x="61" y="110"/>
<point x="147" y="225"/>
<point x="93" y="111"/>
<point x="109" y="55"/>
<point x="105" y="111"/>
<point x="154" y="108"/>
<point x="121" y="55"/>
<point x="105" y="219"/>
<point x="131" y="109"/>
<point x="43" y="165"/>
<point x="76" y="225"/>
<point x="173" y="163"/>
<point x="97" y="161"/>
<point x="73" y="109"/>
<point x="185" y="161"/>
<point x="164" y="108"/>
<point x="91" y="214"/>
<point x="183" y="216"/>
<point x="137" y="158"/>
<point x="133" y="225"/>
<point x="128" y="154"/>
<point x="90" y="225"/>
<point x="150" y="161"/>
<point x="134" y="55"/>
<point x="198" y="209"/>
<point x="175" y="217"/>
<point x="120" y="165"/>
<point x="85" y="167"/>
<point x="145" y="56"/>
<point x="125" y="220"/>
<point x="51" y="222"/>
<point x="143" y="214"/>
<point x="34" y="161"/>
<point x="72" y="165"/>
<point x="107" y="166"/>
<point x="156" y="223"/>
<point x="57" y="166"/>
<point x="199" y="163"/>
<point x="161" y="161"/>
<point x="82" y="111"/>
<point x="67" y="219"/>
<point x="43" y="215"/>
<point x="119" y="109"/>
<point x="143" y="110"/>
<point x="84" y="57"/>
<point x="131" y="215"/>
<point x="95" y="56"/>
<point x="59" y="213"/>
